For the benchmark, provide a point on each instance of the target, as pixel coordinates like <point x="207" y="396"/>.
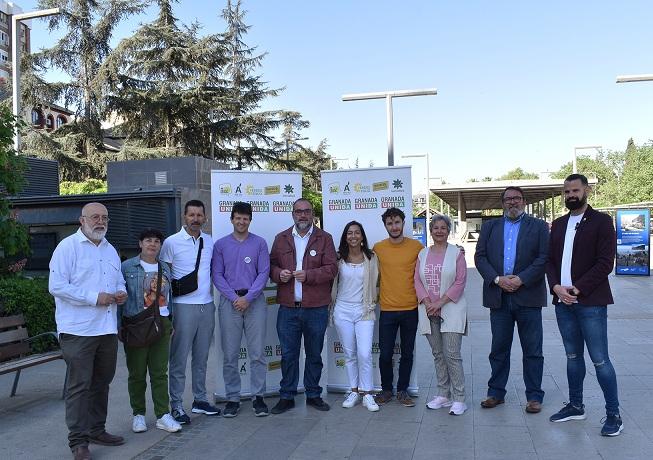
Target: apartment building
<point x="7" y="10"/>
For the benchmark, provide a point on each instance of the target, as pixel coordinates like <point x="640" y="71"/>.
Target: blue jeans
<point x="292" y="324"/>
<point x="587" y="325"/>
<point x="406" y="322"/>
<point x="529" y="327"/>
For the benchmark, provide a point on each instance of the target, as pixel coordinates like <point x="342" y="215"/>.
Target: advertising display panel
<point x="633" y="242"/>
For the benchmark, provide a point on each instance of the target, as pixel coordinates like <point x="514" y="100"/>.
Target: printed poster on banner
<point x="271" y="195"/>
<point x="364" y="195"/>
<point x="633" y="242"/>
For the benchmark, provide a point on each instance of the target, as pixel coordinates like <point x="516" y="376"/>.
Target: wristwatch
<point x="496" y="280"/>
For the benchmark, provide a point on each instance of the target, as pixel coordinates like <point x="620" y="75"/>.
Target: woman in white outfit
<point x="354" y="296"/>
<point x="440" y="277"/>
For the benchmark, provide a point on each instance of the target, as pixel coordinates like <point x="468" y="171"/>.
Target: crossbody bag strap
<point x="159" y="278"/>
<point x="199" y="254"/>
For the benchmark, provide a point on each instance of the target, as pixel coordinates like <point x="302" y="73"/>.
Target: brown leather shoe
<point x="106" y="439"/>
<point x="533" y="407"/>
<point x="81" y="453"/>
<point x="383" y="398"/>
<point x="491" y="402"/>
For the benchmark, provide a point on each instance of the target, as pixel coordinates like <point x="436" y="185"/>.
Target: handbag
<point x="188" y="283"/>
<point x="146" y="327"/>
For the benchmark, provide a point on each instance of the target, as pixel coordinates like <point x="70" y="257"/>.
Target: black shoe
<point x="203" y="407"/>
<point x="317" y="403"/>
<point x="180" y="416"/>
<point x="259" y="406"/>
<point x="231" y="409"/>
<point x="283" y="405"/>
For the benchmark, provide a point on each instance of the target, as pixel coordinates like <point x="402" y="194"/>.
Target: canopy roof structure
<point x="487" y="195"/>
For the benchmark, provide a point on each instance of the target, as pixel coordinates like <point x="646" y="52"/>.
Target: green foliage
<point x="83" y="188"/>
<point x="13" y="235"/>
<point x="31" y="298"/>
<point x="316" y="201"/>
<point x="516" y="174"/>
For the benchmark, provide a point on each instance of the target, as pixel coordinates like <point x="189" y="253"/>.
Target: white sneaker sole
<point x="571" y="417"/>
<point x="616" y="433"/>
<point x="169" y="429"/>
<point x="372" y="408"/>
<point x="202" y="411"/>
<point x="139" y="430"/>
<point x="438" y="406"/>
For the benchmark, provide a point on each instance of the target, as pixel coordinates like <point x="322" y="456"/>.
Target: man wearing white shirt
<point x="187" y="251"/>
<point x="86" y="283"/>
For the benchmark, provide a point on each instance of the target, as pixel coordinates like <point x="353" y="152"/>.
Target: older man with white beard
<point x="86" y="282"/>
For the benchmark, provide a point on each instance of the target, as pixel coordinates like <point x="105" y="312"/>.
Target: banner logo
<point x="334" y="188"/>
<point x="366" y="203"/>
<point x="225" y="189"/>
<point x="340" y="205"/>
<point x="346" y="190"/>
<point x="272" y="190"/>
<point x="340" y="362"/>
<point x="378" y="186"/>
<point x="288" y="189"/>
<point x="282" y="206"/>
<point x="260" y="206"/>
<point x="360" y="188"/>
<point x="239" y="190"/>
<point x="251" y="190"/>
<point x="397" y="185"/>
<point x="225" y="206"/>
<point x="274" y="365"/>
<point x="393" y="202"/>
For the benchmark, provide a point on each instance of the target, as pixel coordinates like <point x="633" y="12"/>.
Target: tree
<point x="13" y="235"/>
<point x="517" y="174"/>
<point x="244" y="135"/>
<point x="83" y="188"/>
<point x="88" y="26"/>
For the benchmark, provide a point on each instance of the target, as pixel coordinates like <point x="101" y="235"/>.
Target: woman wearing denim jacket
<point x="140" y="274"/>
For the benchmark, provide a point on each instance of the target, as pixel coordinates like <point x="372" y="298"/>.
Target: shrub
<point x="31" y="298"/>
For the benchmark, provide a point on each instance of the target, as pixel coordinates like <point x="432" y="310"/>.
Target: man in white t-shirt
<point x="86" y="283"/>
<point x="581" y="256"/>
<point x="188" y="252"/>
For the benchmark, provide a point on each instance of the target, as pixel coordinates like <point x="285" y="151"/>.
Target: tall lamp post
<point x="388" y="95"/>
<point x="574" y="168"/>
<point x="15" y="59"/>
<point x="428" y="193"/>
<point x="634" y="78"/>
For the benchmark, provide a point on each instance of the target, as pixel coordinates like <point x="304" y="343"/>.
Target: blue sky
<point x="519" y="83"/>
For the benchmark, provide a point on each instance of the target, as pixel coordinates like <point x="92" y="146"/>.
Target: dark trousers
<point x="292" y="324"/>
<point x="529" y="327"/>
<point x="389" y="322"/>
<point x="91" y="365"/>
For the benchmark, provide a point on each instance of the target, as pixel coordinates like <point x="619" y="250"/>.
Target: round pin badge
<point x="247" y="260"/>
<point x="313" y="252"/>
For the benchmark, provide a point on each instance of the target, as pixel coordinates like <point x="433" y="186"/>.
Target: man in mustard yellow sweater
<point x="397" y="257"/>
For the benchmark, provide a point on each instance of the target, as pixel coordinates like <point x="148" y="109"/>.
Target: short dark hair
<point x="579" y="177"/>
<point x="512" y="187"/>
<point x="393" y="212"/>
<point x="241" y="207"/>
<point x="151" y="233"/>
<point x="302" y="199"/>
<point x="195" y="204"/>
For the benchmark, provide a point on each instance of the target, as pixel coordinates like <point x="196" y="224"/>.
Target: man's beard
<point x="92" y="234"/>
<point x="572" y="204"/>
<point x="303" y="225"/>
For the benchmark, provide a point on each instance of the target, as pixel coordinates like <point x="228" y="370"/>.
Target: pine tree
<point x="88" y="26"/>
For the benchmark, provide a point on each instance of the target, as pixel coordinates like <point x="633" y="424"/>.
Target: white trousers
<point x="356" y="339"/>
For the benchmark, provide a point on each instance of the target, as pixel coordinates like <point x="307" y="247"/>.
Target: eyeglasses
<point x="303" y="211"/>
<point x="97" y="218"/>
<point x="515" y="199"/>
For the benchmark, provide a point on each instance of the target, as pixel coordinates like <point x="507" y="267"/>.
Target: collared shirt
<point x="180" y="251"/>
<point x="79" y="271"/>
<point x="240" y="265"/>
<point x="510" y="234"/>
<point x="300" y="248"/>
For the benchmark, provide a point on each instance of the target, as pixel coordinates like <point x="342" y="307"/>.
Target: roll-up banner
<point x="633" y="242"/>
<point x="271" y="195"/>
<point x="363" y="195"/>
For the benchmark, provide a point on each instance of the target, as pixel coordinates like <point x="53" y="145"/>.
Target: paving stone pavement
<point x="32" y="423"/>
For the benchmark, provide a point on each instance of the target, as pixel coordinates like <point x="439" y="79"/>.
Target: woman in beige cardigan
<point x="354" y="296"/>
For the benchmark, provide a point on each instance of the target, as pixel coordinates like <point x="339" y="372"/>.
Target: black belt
<point x="241" y="292"/>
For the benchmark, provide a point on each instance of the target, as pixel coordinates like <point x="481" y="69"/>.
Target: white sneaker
<point x="438" y="403"/>
<point x="168" y="423"/>
<point x="352" y="399"/>
<point x="138" y="424"/>
<point x="368" y="401"/>
<point x="458" y="408"/>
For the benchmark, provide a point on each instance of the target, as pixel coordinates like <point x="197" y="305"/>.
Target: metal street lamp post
<point x="428" y="194"/>
<point x="574" y="168"/>
<point x="634" y="78"/>
<point x="388" y="95"/>
<point x="15" y="59"/>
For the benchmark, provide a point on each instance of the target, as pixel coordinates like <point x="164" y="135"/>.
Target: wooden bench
<point x="15" y="350"/>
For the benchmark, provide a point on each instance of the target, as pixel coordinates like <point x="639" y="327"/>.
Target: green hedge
<point x="31" y="298"/>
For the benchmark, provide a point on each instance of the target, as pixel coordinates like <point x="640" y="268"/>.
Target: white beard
<point x="96" y="235"/>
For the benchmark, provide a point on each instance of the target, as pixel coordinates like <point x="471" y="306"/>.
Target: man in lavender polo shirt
<point x="240" y="270"/>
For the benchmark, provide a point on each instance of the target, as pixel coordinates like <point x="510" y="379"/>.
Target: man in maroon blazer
<point x="303" y="263"/>
<point x="581" y="256"/>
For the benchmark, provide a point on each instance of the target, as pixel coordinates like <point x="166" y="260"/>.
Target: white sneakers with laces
<point x="168" y="423"/>
<point x="439" y="402"/>
<point x="458" y="408"/>
<point x="351" y="400"/>
<point x="368" y="401"/>
<point x="138" y="424"/>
